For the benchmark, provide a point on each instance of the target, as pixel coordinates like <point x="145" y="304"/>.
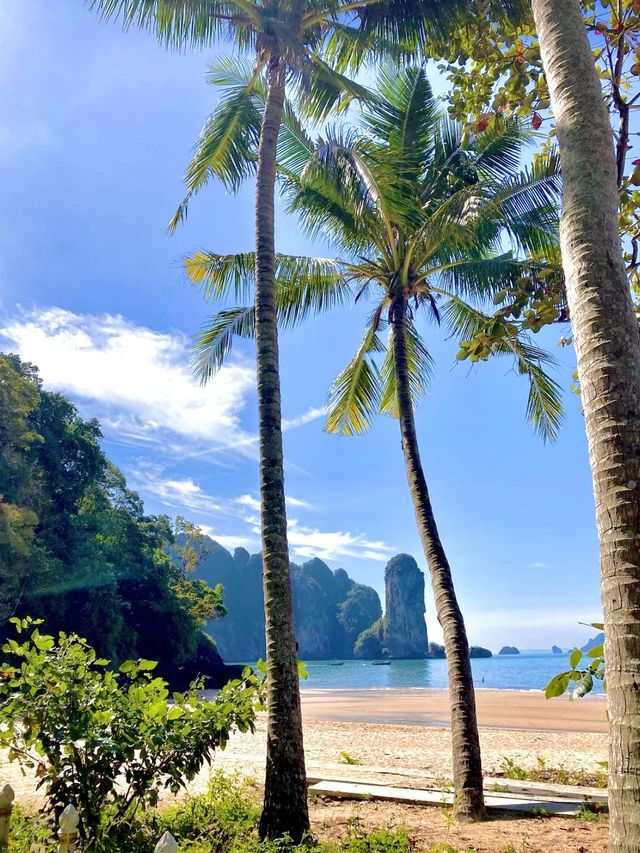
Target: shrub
<point x="106" y="741"/>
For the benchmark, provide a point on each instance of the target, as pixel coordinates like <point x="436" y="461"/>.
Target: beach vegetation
<point x="108" y="741"/>
<point x="345" y="758"/>
<point x="556" y="775"/>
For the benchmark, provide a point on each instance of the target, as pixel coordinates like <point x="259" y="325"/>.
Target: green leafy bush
<point x="107" y="741"/>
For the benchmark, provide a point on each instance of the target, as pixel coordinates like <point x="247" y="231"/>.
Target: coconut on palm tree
<point x="419" y="217"/>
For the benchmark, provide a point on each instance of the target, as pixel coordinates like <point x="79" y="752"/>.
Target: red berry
<point x="536" y="121"/>
<point x="482" y="125"/>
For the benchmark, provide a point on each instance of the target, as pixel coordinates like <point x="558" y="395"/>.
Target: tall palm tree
<point x="605" y="330"/>
<point x="284" y="38"/>
<point x="420" y="217"/>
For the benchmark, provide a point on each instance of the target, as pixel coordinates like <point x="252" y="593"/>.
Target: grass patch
<point x="222" y="820"/>
<point x="553" y="775"/>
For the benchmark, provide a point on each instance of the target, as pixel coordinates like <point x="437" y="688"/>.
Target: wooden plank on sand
<point x="436" y="797"/>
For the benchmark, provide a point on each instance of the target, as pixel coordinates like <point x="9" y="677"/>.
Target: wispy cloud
<point x="305" y="418"/>
<point x="241" y="514"/>
<point x="137" y="380"/>
<point x="332" y="545"/>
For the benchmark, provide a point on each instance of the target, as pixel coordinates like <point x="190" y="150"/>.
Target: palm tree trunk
<point x="608" y="349"/>
<point x="467" y="761"/>
<point x="285" y="798"/>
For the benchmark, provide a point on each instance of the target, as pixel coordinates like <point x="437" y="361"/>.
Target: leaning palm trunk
<point x="285" y="801"/>
<point x="467" y="762"/>
<point x="608" y="349"/>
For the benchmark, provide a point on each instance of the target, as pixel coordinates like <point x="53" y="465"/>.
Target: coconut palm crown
<point x="420" y="214"/>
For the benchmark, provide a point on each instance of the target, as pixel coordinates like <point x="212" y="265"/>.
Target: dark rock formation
<point x="509" y="650"/>
<point x="405" y="631"/>
<point x="402" y="633"/>
<point x="330" y="609"/>
<point x="205" y="662"/>
<point x="556" y="650"/>
<point x="598" y="640"/>
<point x="479" y="652"/>
<point x="436" y="651"/>
<point x="369" y="644"/>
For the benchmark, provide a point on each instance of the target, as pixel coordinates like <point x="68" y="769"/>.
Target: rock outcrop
<point x="405" y="632"/>
<point x="402" y="632"/>
<point x="330" y="609"/>
<point x="598" y="640"/>
<point x="556" y="650"/>
<point x="509" y="650"/>
<point x="479" y="652"/>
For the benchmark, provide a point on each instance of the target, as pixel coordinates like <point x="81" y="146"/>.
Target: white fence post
<point x="6" y="807"/>
<point x="68" y="834"/>
<point x="167" y="844"/>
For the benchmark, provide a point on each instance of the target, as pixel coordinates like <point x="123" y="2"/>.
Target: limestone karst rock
<point x="405" y="633"/>
<point x="402" y="632"/>
<point x="330" y="609"/>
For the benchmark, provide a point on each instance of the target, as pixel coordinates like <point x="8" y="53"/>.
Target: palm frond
<point x="354" y="397"/>
<point x="227" y="146"/>
<point x="544" y="406"/>
<point x="213" y="344"/>
<point x="184" y="23"/>
<point x="221" y="275"/>
<point x="323" y="90"/>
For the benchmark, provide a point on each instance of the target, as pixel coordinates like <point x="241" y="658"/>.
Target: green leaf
<point x="574" y="658"/>
<point x="558" y="685"/>
<point x="147" y="665"/>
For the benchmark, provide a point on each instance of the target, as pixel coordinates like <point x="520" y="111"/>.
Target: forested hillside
<point x="76" y="548"/>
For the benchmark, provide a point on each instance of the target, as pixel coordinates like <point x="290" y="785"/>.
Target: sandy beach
<point x="506" y="709"/>
<point x="402" y="738"/>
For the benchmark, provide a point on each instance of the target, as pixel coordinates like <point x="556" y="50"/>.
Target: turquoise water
<point x="501" y="672"/>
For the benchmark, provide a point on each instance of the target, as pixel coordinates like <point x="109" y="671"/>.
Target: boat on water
<point x="336" y="663"/>
<point x="381" y="663"/>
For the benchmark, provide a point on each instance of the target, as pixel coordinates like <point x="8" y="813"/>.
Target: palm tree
<point x="284" y="38"/>
<point x="605" y="329"/>
<point x="421" y="217"/>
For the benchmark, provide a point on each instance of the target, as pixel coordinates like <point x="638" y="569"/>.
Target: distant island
<point x="509" y="650"/>
<point x="556" y="650"/>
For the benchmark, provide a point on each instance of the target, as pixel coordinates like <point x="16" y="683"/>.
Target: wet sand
<point x="503" y="709"/>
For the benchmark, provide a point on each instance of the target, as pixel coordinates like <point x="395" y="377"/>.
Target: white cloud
<point x="332" y="545"/>
<point x="138" y="380"/>
<point x="254" y="504"/>
<point x="231" y="542"/>
<point x="248" y="501"/>
<point x="305" y="418"/>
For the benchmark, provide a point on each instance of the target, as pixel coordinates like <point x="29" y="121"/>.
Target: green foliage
<point x="76" y="548"/>
<point x="79" y="726"/>
<point x="582" y="677"/>
<point x="495" y="71"/>
<point x="345" y="758"/>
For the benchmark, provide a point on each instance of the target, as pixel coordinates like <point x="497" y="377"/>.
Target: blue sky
<point x="96" y="127"/>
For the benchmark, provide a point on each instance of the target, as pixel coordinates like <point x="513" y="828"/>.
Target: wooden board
<point x="439" y="797"/>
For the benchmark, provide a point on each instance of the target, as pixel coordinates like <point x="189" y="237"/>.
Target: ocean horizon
<point x="527" y="672"/>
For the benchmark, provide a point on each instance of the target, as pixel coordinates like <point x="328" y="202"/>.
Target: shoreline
<point x="514" y="710"/>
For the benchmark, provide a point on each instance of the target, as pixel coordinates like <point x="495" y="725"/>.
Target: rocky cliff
<point x="405" y="634"/>
<point x="402" y="633"/>
<point x="330" y="609"/>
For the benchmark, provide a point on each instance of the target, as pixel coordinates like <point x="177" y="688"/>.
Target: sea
<point x="500" y="672"/>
